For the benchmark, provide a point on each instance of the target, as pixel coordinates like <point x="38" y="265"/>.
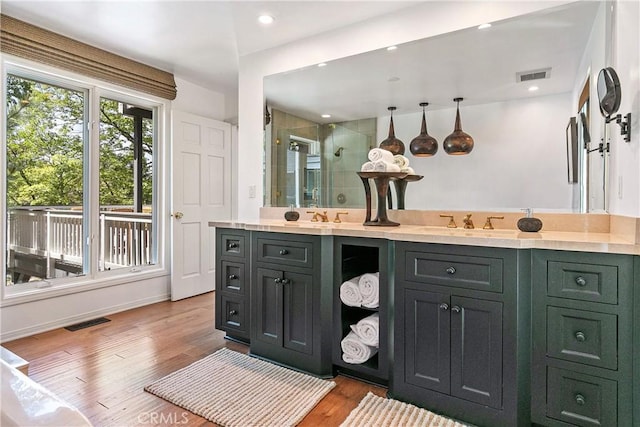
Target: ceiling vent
<point x="527" y="76"/>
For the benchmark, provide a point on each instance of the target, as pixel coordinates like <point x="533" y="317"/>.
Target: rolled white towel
<point x="401" y="161"/>
<point x="376" y="154"/>
<point x="367" y="167"/>
<point x="382" y="166"/>
<point x="350" y="293"/>
<point x="369" y="287"/>
<point x="408" y="170"/>
<point x="354" y="351"/>
<point x="368" y="330"/>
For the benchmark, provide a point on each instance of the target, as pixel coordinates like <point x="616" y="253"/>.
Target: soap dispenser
<point x="529" y="223"/>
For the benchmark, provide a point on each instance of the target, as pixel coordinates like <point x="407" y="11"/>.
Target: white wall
<point x="515" y="162"/>
<point x="195" y="99"/>
<point x="625" y="157"/>
<point x="413" y="23"/>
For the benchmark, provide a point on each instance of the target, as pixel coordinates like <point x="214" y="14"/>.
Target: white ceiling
<point x="199" y="41"/>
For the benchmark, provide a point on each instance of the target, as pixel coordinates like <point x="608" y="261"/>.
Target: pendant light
<point x="423" y="145"/>
<point x="458" y="142"/>
<point x="392" y="143"/>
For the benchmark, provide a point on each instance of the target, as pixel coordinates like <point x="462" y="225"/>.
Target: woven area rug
<point x="378" y="411"/>
<point x="233" y="389"/>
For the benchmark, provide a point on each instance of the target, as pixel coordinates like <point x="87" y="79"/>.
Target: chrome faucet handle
<point x="488" y="225"/>
<point x="452" y="223"/>
<point x="337" y="218"/>
<point x="468" y="223"/>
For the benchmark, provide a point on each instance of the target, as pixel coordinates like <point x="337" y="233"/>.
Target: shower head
<point x="338" y="152"/>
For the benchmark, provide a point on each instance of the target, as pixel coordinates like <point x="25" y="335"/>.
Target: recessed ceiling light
<point x="392" y="47"/>
<point x="322" y="64"/>
<point x="265" y="19"/>
<point x="533" y="88"/>
<point x="326" y="116"/>
<point x="484" y="26"/>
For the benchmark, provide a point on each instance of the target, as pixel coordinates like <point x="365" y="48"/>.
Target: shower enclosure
<point x="314" y="165"/>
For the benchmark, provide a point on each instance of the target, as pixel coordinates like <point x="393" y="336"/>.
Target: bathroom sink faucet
<point x="452" y="223"/>
<point x="337" y="218"/>
<point x="316" y="215"/>
<point x="468" y="224"/>
<point x="488" y="225"/>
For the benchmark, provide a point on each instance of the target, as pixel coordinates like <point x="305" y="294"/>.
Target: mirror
<point x="520" y="156"/>
<point x="609" y="93"/>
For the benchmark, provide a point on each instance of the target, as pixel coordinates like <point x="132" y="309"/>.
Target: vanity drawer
<point x="232" y="244"/>
<point x="233" y="277"/>
<point x="472" y="272"/>
<point x="232" y="314"/>
<point x="285" y="252"/>
<point x="581" y="399"/>
<point x="587" y="282"/>
<point x="582" y="336"/>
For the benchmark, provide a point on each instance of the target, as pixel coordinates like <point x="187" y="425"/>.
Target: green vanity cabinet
<point x="582" y="339"/>
<point x="290" y="304"/>
<point x="232" y="275"/>
<point x="461" y="332"/>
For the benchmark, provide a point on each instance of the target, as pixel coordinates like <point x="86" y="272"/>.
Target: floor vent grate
<point x="87" y="324"/>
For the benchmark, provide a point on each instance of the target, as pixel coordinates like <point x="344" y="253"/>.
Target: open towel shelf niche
<point x="355" y="257"/>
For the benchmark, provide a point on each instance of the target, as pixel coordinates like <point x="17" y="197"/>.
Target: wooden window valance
<point x="37" y="44"/>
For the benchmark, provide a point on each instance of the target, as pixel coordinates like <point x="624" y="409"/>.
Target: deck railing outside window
<point x="56" y="236"/>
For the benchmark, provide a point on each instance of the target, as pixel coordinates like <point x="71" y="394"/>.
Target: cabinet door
<point x="476" y="350"/>
<point x="298" y="312"/>
<point x="267" y="307"/>
<point x="425" y="339"/>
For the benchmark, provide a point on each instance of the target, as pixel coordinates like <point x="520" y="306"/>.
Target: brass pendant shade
<point x="459" y="142"/>
<point x="423" y="145"/>
<point x="392" y="143"/>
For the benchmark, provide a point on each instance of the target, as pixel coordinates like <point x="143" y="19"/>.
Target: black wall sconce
<point x="609" y="97"/>
<point x="267" y="116"/>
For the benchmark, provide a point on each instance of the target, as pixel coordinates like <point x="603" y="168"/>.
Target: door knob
<point x="177" y="215"/>
<point x="456" y="309"/>
<point x="444" y="306"/>
<point x="451" y="270"/>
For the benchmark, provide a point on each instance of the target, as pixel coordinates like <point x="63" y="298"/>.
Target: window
<point x="126" y="185"/>
<point x="80" y="201"/>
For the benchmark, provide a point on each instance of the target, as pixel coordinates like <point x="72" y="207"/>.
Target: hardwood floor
<point x="102" y="370"/>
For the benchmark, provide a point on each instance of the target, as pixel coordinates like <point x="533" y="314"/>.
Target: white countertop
<point x="502" y="238"/>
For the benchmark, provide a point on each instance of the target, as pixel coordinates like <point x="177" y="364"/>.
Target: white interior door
<point x="201" y="159"/>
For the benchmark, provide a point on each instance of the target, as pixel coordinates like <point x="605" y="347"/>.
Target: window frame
<point x="94" y="90"/>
